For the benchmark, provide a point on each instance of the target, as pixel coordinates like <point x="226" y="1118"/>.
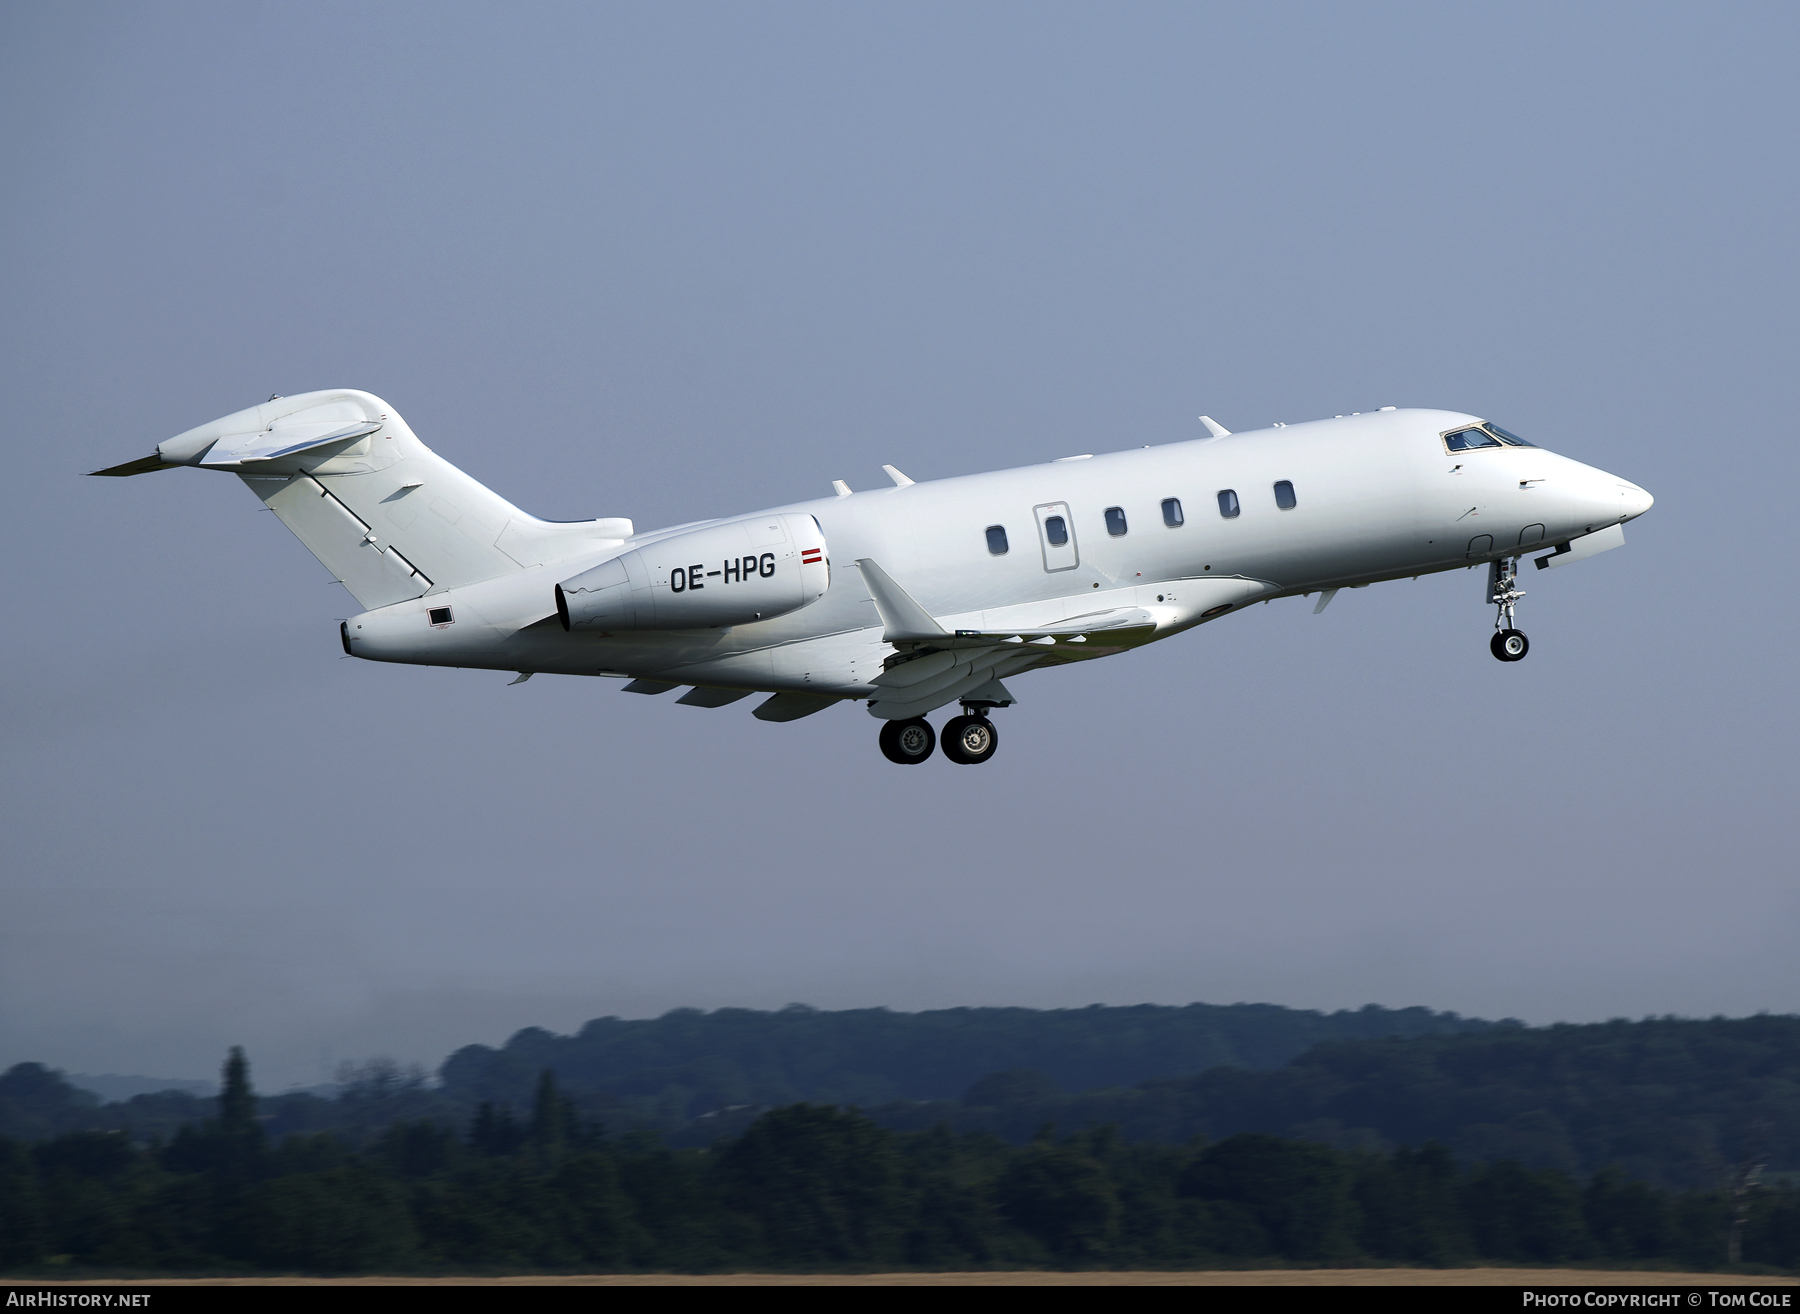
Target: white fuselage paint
<point x="1377" y="497"/>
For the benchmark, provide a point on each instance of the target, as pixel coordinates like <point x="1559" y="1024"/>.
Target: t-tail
<point x="387" y="516"/>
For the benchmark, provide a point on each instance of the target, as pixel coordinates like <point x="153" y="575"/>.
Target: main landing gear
<point x="1508" y="644"/>
<point x="908" y="742"/>
<point x="968" y="739"/>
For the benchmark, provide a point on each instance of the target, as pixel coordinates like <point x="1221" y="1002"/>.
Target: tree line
<point x="689" y="1062"/>
<point x="1668" y="1101"/>
<point x="815" y="1187"/>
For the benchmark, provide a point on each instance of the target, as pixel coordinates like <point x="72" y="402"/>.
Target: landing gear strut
<point x="908" y="742"/>
<point x="1508" y="644"/>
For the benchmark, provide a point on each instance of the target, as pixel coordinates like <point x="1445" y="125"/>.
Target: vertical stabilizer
<point x="390" y="518"/>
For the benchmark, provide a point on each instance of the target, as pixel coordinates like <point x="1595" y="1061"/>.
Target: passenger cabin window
<point x="1228" y="503"/>
<point x="1284" y="495"/>
<point x="1056" y="530"/>
<point x="996" y="536"/>
<point x="1115" y="521"/>
<point x="1510" y="439"/>
<point x="1467" y="440"/>
<point x="1172" y="512"/>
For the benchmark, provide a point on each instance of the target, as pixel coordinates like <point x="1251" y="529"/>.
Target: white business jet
<point x="941" y="590"/>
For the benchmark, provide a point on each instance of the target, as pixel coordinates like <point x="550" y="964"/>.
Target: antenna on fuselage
<point x="1213" y="427"/>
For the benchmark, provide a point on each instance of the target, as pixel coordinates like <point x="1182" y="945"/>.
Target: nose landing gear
<point x="1508" y="644"/>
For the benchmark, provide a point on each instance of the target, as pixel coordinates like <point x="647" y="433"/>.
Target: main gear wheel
<point x="908" y="742"/>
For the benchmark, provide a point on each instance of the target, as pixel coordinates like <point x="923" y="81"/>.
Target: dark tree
<point x="495" y="1131"/>
<point x="1410" y="1208"/>
<point x="237" y="1104"/>
<point x="1526" y="1216"/>
<point x="821" y="1185"/>
<point x="1063" y="1198"/>
<point x="1297" y="1192"/>
<point x="1627" y="1220"/>
<point x="1014" y="1086"/>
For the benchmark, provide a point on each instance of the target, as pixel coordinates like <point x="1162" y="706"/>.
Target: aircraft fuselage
<point x="911" y="597"/>
<point x="1375" y="497"/>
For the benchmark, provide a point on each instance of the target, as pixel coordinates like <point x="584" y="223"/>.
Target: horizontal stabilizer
<point x="284" y="441"/>
<point x="143" y="465"/>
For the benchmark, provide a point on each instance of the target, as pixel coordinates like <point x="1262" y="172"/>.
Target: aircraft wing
<point x="906" y="624"/>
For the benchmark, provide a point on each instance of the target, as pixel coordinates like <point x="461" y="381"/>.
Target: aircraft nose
<point x="1634" y="500"/>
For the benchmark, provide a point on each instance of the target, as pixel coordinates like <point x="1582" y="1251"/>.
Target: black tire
<point x="1510" y="645"/>
<point x="908" y="742"/>
<point x="969" y="740"/>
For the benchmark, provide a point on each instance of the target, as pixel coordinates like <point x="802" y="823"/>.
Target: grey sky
<point x="674" y="261"/>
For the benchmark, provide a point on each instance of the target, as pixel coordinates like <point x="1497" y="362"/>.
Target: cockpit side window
<point x="1467" y="440"/>
<point x="1510" y="439"/>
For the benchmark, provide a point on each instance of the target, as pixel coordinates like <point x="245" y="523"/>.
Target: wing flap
<point x="971" y="672"/>
<point x="791" y="706"/>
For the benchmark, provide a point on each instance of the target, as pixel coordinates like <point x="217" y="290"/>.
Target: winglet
<point x="900" y="480"/>
<point x="1213" y="427"/>
<point x="902" y="619"/>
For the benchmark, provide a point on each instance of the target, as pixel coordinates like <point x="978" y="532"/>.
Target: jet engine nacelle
<point x="730" y="574"/>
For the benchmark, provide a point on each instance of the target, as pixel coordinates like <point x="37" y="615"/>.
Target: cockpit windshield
<point x="1467" y="440"/>
<point x="1486" y="435"/>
